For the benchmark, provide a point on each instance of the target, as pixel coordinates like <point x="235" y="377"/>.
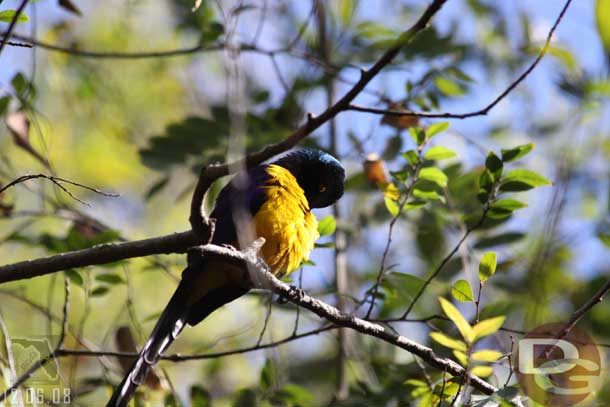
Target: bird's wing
<point x="253" y="197"/>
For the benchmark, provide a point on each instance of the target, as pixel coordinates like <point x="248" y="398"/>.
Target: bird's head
<point x="319" y="174"/>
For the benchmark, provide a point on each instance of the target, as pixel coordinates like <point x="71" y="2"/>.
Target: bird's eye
<point x="322" y="188"/>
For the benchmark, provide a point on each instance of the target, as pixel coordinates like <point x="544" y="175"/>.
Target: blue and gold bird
<point x="279" y="198"/>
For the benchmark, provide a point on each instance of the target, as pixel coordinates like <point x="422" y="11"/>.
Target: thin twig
<point x="57" y="181"/>
<point x="443" y="263"/>
<point x="12" y="24"/>
<point x="492" y="104"/>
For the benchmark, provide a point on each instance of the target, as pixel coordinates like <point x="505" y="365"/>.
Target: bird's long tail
<point x="201" y="291"/>
<point x="168" y="327"/>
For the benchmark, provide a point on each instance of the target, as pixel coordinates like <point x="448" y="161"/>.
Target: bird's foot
<point x="300" y="293"/>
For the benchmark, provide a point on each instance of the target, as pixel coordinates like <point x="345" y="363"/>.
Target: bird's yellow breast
<point x="286" y="222"/>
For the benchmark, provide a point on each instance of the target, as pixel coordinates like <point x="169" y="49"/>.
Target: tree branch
<point x="12" y="25"/>
<point x="263" y="277"/>
<point x="100" y="254"/>
<point x="486" y="109"/>
<point x="212" y="173"/>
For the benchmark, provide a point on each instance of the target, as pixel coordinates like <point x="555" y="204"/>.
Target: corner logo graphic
<point x="556" y="370"/>
<point x="30" y="350"/>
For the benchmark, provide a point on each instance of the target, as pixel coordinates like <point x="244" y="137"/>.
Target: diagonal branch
<point x="212" y="173"/>
<point x="492" y="104"/>
<point x="250" y="261"/>
<point x="12" y="25"/>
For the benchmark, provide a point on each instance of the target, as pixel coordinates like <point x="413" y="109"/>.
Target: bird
<point x="278" y="197"/>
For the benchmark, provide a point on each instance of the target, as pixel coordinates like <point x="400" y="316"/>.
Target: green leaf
<point x="418" y="135"/>
<point x="486" y="355"/>
<point x="212" y="32"/>
<point x="346" y="11"/>
<point x="522" y="180"/>
<point x="269" y="376"/>
<point x="487" y="327"/>
<point x="200" y="397"/>
<point x="448" y="342"/>
<point x="461" y="357"/>
<point x="498" y="240"/>
<point x="448" y="87"/>
<point x="110" y="278"/>
<point x="504" y="207"/>
<point x="4" y="101"/>
<point x="602" y="11"/>
<point x="487" y="266"/>
<point x="462" y="291"/>
<point x="392" y="206"/>
<point x="327" y="226"/>
<point x="438" y="153"/>
<point x="482" y="371"/>
<point x="99" y="291"/>
<point x="436" y="128"/>
<point x="458" y="319"/>
<point x="7" y="16"/>
<point x="411" y="156"/>
<point x="405" y="286"/>
<point x="435" y="175"/>
<point x="433" y="195"/>
<point x="513" y="154"/>
<point x="75" y="277"/>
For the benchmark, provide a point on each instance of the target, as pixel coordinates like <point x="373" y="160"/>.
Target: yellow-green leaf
<point x="482" y="371"/>
<point x="456" y="317"/>
<point x="487" y="266"/>
<point x="461" y="291"/>
<point x="435" y="175"/>
<point x="447" y="341"/>
<point x="461" y="357"/>
<point x="486" y="355"/>
<point x="438" y="153"/>
<point x="7" y="16"/>
<point x="602" y="11"/>
<point x="392" y="206"/>
<point x="522" y="180"/>
<point x="327" y="225"/>
<point x="448" y="87"/>
<point x="487" y="327"/>
<point x="436" y="128"/>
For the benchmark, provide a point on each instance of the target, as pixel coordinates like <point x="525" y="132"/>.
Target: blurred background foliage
<point x="143" y="127"/>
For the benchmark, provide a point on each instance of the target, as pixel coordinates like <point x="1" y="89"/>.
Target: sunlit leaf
<point x="482" y="371"/>
<point x="522" y="180"/>
<point x="392" y="206"/>
<point x="504" y="207"/>
<point x="327" y="225"/>
<point x="435" y="175"/>
<point x="456" y="317"/>
<point x="438" y="153"/>
<point x="7" y="16"/>
<point x="487" y="327"/>
<point x="487" y="266"/>
<point x="462" y="291"/>
<point x="602" y="11"/>
<point x="436" y="128"/>
<point x="448" y="87"/>
<point x="486" y="355"/>
<point x="447" y="341"/>
<point x="461" y="357"/>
